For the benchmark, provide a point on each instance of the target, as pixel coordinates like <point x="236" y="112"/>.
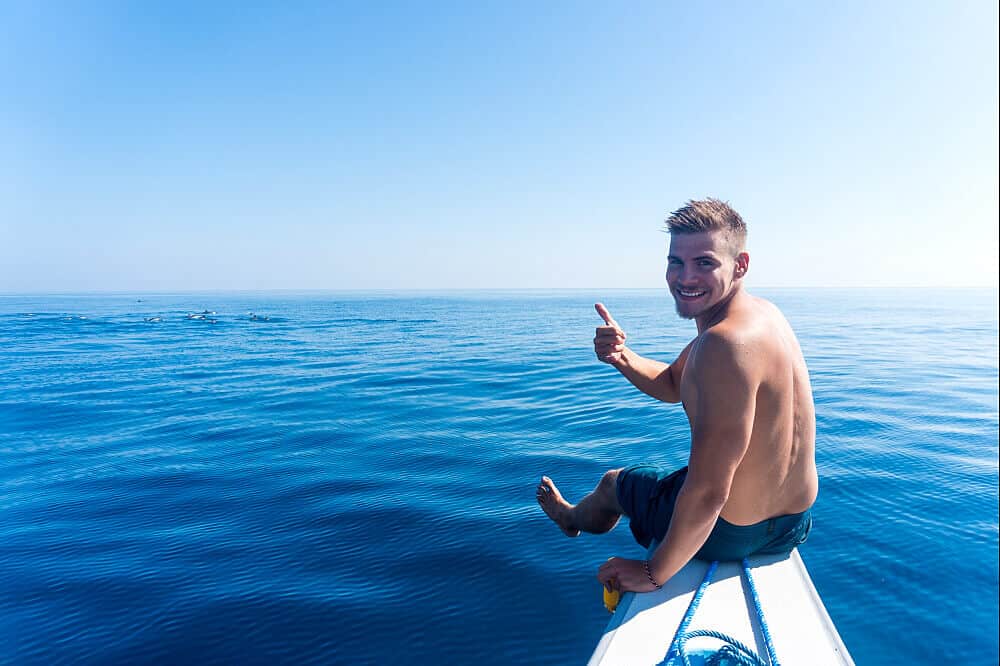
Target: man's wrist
<point x="649" y="574"/>
<point x="623" y="360"/>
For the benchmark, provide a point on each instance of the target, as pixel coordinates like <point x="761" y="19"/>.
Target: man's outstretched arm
<point x="654" y="378"/>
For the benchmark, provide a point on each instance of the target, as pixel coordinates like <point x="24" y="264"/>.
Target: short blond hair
<point x="703" y="215"/>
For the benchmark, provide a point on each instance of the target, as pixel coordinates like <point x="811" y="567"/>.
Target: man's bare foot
<point x="554" y="506"/>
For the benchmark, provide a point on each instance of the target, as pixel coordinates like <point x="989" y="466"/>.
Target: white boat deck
<point x="643" y="626"/>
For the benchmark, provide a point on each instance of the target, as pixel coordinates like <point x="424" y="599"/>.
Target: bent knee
<point x="609" y="484"/>
<point x="608" y="489"/>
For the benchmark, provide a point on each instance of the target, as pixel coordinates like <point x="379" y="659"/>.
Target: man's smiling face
<point x="703" y="270"/>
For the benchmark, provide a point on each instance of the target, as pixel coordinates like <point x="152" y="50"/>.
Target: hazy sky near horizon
<point x="185" y="146"/>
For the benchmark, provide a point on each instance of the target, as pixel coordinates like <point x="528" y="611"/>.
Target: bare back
<point x="777" y="474"/>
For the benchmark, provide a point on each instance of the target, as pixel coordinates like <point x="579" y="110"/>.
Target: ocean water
<point x="349" y="478"/>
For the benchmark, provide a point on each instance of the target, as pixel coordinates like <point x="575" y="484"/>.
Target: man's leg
<point x="596" y="513"/>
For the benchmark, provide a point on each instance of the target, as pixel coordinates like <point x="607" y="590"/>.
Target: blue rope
<point x="760" y="614"/>
<point x="733" y="650"/>
<point x="692" y="607"/>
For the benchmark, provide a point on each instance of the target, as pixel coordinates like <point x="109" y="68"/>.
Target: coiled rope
<point x="732" y="650"/>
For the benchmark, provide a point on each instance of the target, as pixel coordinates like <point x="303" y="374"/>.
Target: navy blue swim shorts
<point x="648" y="493"/>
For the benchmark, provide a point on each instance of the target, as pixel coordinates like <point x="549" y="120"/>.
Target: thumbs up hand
<point x="609" y="343"/>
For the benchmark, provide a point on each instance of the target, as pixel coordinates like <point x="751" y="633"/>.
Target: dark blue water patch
<point x="29" y="416"/>
<point x="283" y="492"/>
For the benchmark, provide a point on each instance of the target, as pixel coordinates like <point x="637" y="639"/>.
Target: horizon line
<point x="94" y="292"/>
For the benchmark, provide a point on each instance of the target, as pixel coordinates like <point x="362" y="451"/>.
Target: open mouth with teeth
<point x="689" y="295"/>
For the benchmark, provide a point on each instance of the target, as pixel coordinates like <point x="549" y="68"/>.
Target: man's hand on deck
<point x="624" y="575"/>
<point x="609" y="343"/>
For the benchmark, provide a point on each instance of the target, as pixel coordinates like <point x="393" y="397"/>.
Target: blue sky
<point x="189" y="146"/>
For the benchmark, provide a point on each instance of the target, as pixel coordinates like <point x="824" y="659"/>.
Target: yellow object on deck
<point x="611" y="599"/>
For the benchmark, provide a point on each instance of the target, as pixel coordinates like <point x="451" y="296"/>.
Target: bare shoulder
<point x="744" y="341"/>
<point x="724" y="347"/>
<point x="758" y="323"/>
<point x="768" y="312"/>
<point x="722" y="337"/>
<point x="769" y="308"/>
<point x="772" y="327"/>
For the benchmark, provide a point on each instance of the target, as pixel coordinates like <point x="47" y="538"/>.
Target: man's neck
<point x="719" y="311"/>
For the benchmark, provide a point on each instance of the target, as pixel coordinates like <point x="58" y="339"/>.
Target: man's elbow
<point x="708" y="497"/>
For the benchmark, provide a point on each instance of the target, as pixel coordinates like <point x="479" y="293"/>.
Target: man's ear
<point x="742" y="264"/>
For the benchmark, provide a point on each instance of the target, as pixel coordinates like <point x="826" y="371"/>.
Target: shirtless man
<point x="751" y="474"/>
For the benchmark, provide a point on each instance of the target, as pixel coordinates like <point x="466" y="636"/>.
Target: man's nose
<point x="686" y="276"/>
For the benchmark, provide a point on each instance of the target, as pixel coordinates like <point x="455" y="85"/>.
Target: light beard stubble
<point x="677" y="309"/>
